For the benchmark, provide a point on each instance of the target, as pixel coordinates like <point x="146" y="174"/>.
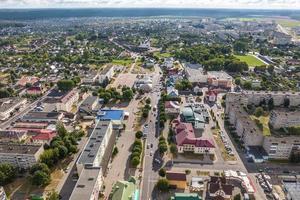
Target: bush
<point x="115" y="151"/>
<point x="162" y="172"/>
<point x="135" y="161"/>
<point x="163" y="185"/>
<point x="40" y="178"/>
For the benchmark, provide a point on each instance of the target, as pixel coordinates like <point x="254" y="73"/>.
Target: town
<point x="180" y="108"/>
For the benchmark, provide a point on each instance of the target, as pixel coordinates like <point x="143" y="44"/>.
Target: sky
<point x="251" y="4"/>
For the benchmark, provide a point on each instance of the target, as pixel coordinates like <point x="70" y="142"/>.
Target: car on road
<point x="151" y="145"/>
<point x="151" y="153"/>
<point x="157" y="161"/>
<point x="148" y="146"/>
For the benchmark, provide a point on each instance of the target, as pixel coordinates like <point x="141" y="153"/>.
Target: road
<point x="14" y="118"/>
<point x="150" y="169"/>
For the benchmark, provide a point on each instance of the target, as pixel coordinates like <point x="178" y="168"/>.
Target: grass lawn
<point x="288" y="22"/>
<point x="162" y="55"/>
<point x="264" y="120"/>
<point x="124" y="62"/>
<point x="251" y="60"/>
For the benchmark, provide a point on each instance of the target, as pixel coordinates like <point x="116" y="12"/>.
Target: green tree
<point x="63" y="151"/>
<point x="4" y="93"/>
<point x="135" y="161"/>
<point x="65" y="85"/>
<point x="259" y="111"/>
<point x="237" y="81"/>
<point x="39" y="167"/>
<point x="139" y="134"/>
<point x="61" y="130"/>
<point x="128" y="95"/>
<point x="247" y="85"/>
<point x="162" y="172"/>
<point x="115" y="151"/>
<point x="148" y="101"/>
<point x="173" y="148"/>
<point x="240" y="46"/>
<point x="163" y="185"/>
<point x="7" y="173"/>
<point x="237" y="197"/>
<point x="40" y="178"/>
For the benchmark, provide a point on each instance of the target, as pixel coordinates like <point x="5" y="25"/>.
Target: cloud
<point x="277" y="4"/>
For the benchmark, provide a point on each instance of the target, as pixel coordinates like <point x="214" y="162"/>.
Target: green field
<point x="124" y="62"/>
<point x="288" y="22"/>
<point x="251" y="60"/>
<point x="263" y="123"/>
<point x="162" y="55"/>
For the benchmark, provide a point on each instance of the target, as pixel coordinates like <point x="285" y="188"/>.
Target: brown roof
<point x="177" y="176"/>
<point x="219" y="183"/>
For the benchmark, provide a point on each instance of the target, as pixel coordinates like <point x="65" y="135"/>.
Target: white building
<point x="66" y="103"/>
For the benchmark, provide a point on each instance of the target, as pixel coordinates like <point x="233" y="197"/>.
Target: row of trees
<point x="136" y="151"/>
<point x="146" y="109"/>
<point x="7" y="173"/>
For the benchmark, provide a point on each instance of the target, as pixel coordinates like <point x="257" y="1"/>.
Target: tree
<point x="39" y="167"/>
<point x="162" y="147"/>
<point x="128" y="94"/>
<point x="162" y="172"/>
<point x="135" y="161"/>
<point x="240" y="46"/>
<point x="237" y="197"/>
<point x="163" y="185"/>
<point x="259" y="111"/>
<point x="237" y="81"/>
<point x="65" y="85"/>
<point x="4" y="93"/>
<point x="63" y="151"/>
<point x="148" y="101"/>
<point x="61" y="130"/>
<point x="139" y="134"/>
<point x="115" y="151"/>
<point x="40" y="178"/>
<point x="7" y="173"/>
<point x="173" y="149"/>
<point x="47" y="157"/>
<point x="247" y="85"/>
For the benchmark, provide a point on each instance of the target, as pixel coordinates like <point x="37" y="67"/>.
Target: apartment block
<point x="22" y="156"/>
<point x="282" y="118"/>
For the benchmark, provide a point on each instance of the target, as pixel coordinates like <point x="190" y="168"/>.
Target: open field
<point x="124" y="62"/>
<point x="162" y="55"/>
<point x="290" y="23"/>
<point x="251" y="60"/>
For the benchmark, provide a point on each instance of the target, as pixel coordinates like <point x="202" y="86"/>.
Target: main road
<point x="150" y="169"/>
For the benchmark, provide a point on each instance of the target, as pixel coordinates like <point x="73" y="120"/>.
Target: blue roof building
<point x="115" y="116"/>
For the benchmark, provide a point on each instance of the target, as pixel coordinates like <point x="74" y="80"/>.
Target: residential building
<point x="9" y="105"/>
<point x="124" y="190"/>
<point x="13" y="135"/>
<point x="88" y="185"/>
<point x="186" y="140"/>
<point x="219" y="79"/>
<point x="186" y="196"/>
<point x="218" y="188"/>
<point x="283" y="118"/>
<point x="50" y="117"/>
<point x="291" y="189"/>
<point x="88" y="108"/>
<point x="92" y="162"/>
<point x="176" y="179"/>
<point x="172" y="108"/>
<point x="22" y="156"/>
<point x="106" y="74"/>
<point x="43" y="136"/>
<point x="115" y="116"/>
<point x="61" y="101"/>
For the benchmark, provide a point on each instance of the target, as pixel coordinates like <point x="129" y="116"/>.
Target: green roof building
<point x="186" y="196"/>
<point x="123" y="190"/>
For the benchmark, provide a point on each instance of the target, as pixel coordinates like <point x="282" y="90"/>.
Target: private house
<point x="172" y="108"/>
<point x="219" y="189"/>
<point x="43" y="136"/>
<point x="22" y="156"/>
<point x="211" y="96"/>
<point x="176" y="179"/>
<point x="172" y="92"/>
<point x="27" y="80"/>
<point x="34" y="90"/>
<point x="9" y="105"/>
<point x="186" y="140"/>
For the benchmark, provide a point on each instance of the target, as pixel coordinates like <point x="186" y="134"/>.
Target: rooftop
<point x="41" y="115"/>
<point x="186" y="196"/>
<point x="8" y="103"/>
<point x="85" y="185"/>
<point x="178" y="176"/>
<point x="105" y="70"/>
<point x="12" y="148"/>
<point x="87" y="156"/>
<point x="123" y="190"/>
<point x="293" y="189"/>
<point x="107" y="114"/>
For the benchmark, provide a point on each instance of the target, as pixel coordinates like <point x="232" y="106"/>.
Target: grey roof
<point x="87" y="103"/>
<point x="293" y="189"/>
<point x="85" y="184"/>
<point x="88" y="155"/>
<point x="41" y="115"/>
<point x="105" y="70"/>
<point x="13" y="148"/>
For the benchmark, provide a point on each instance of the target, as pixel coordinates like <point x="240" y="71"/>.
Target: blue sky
<point x="261" y="4"/>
